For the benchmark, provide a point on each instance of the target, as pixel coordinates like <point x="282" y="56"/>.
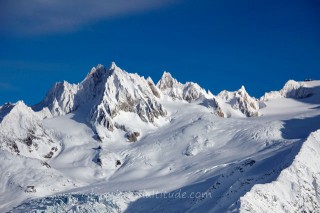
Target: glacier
<point x="118" y="142"/>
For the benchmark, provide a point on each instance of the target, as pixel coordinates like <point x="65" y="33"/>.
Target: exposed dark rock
<point x="121" y="126"/>
<point x="132" y="136"/>
<point x="13" y="146"/>
<point x="154" y="89"/>
<point x="30" y="189"/>
<point x="99" y="162"/>
<point x="49" y="155"/>
<point x="118" y="163"/>
<point x="45" y="164"/>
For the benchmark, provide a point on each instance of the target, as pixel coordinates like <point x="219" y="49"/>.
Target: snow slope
<point x="297" y="187"/>
<point x="172" y="147"/>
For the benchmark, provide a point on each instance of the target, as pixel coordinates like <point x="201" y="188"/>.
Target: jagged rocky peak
<point x="167" y="82"/>
<point x="189" y="91"/>
<point x="129" y="93"/>
<point x="96" y="74"/>
<point x="242" y="101"/>
<point x="21" y="131"/>
<point x="64" y="97"/>
<point x="292" y="89"/>
<point x="5" y="109"/>
<point x="106" y="93"/>
<point x="100" y="73"/>
<point x="61" y="99"/>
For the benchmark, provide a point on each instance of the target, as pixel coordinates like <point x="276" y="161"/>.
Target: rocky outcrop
<point x="174" y="89"/>
<point x="132" y="136"/>
<point x="128" y="93"/>
<point x="242" y="101"/>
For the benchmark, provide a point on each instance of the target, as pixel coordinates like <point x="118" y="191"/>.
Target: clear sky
<point x="220" y="44"/>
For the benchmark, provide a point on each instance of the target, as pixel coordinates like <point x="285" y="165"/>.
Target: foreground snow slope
<point x="297" y="187"/>
<point x="188" y="159"/>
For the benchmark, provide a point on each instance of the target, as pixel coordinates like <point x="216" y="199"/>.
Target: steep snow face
<point x="188" y="91"/>
<point x="64" y="97"/>
<point x="21" y="132"/>
<point x="61" y="99"/>
<point x="297" y="187"/>
<point x="240" y="100"/>
<point x="292" y="89"/>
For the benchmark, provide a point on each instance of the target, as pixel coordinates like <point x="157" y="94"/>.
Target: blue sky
<point x="218" y="44"/>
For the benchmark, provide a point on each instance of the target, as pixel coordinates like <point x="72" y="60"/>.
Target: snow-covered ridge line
<point x="189" y="91"/>
<point x="292" y="89"/>
<point x="110" y="96"/>
<point x="242" y="101"/>
<point x="22" y="133"/>
<point x="297" y="187"/>
<point x="106" y="92"/>
<point x="111" y="90"/>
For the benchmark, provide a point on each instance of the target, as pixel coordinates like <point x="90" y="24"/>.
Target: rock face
<point x="21" y="132"/>
<point x="174" y="89"/>
<point x="292" y="89"/>
<point x="61" y="99"/>
<point x="191" y="92"/>
<point x="297" y="187"/>
<point x="132" y="136"/>
<point x="242" y="101"/>
<point x="126" y="92"/>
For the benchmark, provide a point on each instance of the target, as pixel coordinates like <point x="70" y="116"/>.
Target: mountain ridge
<point x="117" y="134"/>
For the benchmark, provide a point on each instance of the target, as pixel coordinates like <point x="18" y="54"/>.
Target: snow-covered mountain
<point x="22" y="133"/>
<point x="118" y="142"/>
<point x="292" y="89"/>
<point x="242" y="101"/>
<point x="102" y="95"/>
<point x="189" y="91"/>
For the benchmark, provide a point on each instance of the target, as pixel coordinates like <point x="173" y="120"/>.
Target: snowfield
<point x="117" y="142"/>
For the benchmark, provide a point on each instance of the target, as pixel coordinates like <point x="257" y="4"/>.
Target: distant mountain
<point x="291" y="89"/>
<point x="104" y="93"/>
<point x="118" y="142"/>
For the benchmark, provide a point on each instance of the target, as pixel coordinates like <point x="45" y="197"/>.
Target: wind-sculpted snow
<point x="297" y="187"/>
